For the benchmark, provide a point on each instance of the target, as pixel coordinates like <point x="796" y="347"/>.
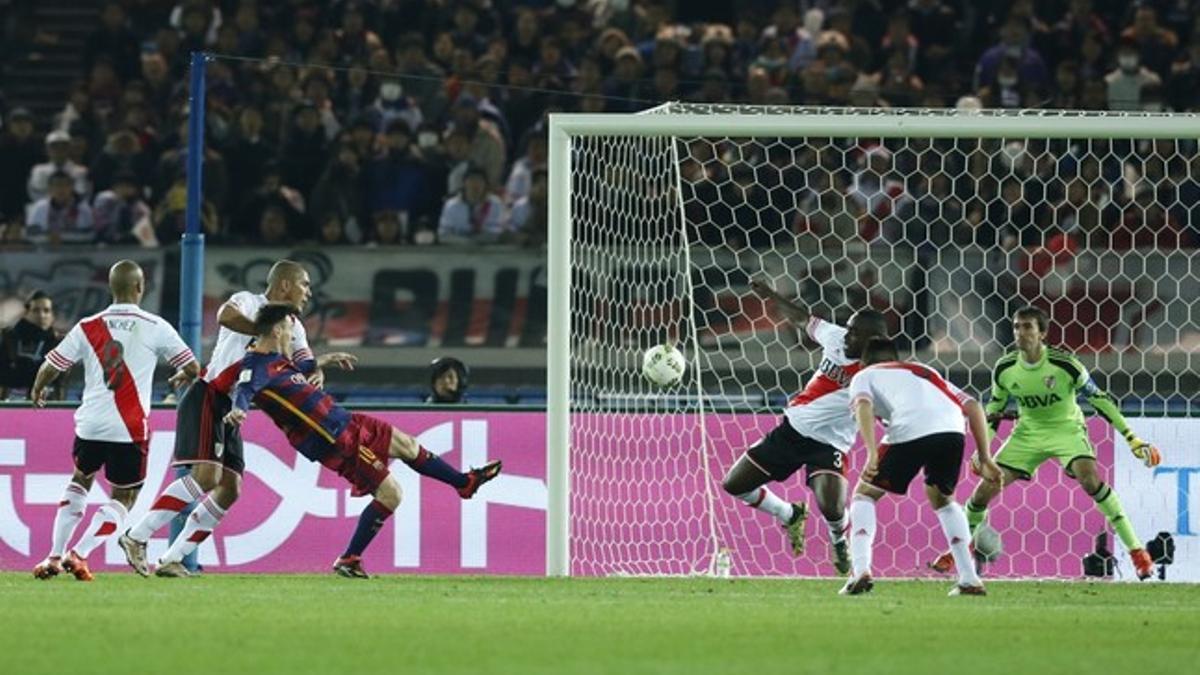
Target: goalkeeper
<point x="1046" y="382"/>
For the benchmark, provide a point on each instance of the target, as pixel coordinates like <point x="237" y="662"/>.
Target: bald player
<point x="203" y="441"/>
<point x="119" y="349"/>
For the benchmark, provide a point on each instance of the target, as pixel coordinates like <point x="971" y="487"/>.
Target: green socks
<point x="975" y="515"/>
<point x="1110" y="506"/>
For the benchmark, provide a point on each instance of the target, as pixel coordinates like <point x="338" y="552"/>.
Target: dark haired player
<point x="1046" y="383"/>
<point x="924" y="416"/>
<point x="356" y="447"/>
<point x="816" y="432"/>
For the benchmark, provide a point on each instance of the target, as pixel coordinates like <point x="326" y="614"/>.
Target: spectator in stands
<point x="1014" y="46"/>
<point x="935" y="25"/>
<point x="305" y="152"/>
<point x="474" y="215"/>
<point x="1128" y="79"/>
<point x="273" y="192"/>
<point x="247" y="154"/>
<point x="898" y="84"/>
<point x="528" y="217"/>
<point x="331" y="231"/>
<point x="113" y="40"/>
<point x="58" y="148"/>
<point x="1008" y="90"/>
<point x="487" y="149"/>
<point x="339" y="192"/>
<point x="389" y="228"/>
<point x="171" y="210"/>
<point x="448" y="380"/>
<point x="398" y="179"/>
<point x="60" y="217"/>
<point x="521" y="176"/>
<point x="424" y="77"/>
<point x="392" y="105"/>
<point x="1155" y="45"/>
<point x="122" y="153"/>
<point x="1183" y="87"/>
<point x="20" y="151"/>
<point x="23" y="346"/>
<point x="120" y="215"/>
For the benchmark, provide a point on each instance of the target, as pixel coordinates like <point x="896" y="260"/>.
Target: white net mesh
<point x="945" y="236"/>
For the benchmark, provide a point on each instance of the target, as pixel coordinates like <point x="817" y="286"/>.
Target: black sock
<point x="369" y="522"/>
<point x="429" y="464"/>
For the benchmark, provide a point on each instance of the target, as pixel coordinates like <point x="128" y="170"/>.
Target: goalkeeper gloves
<point x="1149" y="454"/>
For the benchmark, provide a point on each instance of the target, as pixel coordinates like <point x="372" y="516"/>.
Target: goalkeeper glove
<point x="1149" y="454"/>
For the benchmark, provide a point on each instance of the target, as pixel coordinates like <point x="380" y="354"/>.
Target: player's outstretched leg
<point x="862" y="538"/>
<point x="426" y="463"/>
<point x="108" y="519"/>
<point x="66" y="519"/>
<point x="958" y="534"/>
<point x="830" y="489"/>
<point x="177" y="496"/>
<point x="976" y="514"/>
<point x="387" y="499"/>
<point x="1106" y="499"/>
<point x="746" y="481"/>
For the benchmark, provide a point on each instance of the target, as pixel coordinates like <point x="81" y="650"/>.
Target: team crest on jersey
<point x="1050" y="382"/>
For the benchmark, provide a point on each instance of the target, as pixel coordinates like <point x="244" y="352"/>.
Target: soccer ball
<point x="987" y="543"/>
<point x="663" y="365"/>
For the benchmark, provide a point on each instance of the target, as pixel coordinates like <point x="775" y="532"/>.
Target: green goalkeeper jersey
<point x="1047" y="393"/>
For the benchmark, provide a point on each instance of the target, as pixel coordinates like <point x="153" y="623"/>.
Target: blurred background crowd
<point x="408" y="122"/>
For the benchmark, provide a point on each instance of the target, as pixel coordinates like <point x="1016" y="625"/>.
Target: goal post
<point x="659" y="219"/>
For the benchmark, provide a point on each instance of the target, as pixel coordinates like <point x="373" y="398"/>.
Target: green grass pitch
<point x="262" y="624"/>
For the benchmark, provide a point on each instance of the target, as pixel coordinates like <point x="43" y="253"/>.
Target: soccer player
<point x="203" y="442"/>
<point x="354" y="446"/>
<point x="816" y="432"/>
<point x="1046" y="382"/>
<point x="924" y="417"/>
<point x="119" y="348"/>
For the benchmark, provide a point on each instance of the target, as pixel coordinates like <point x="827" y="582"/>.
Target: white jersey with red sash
<point x="819" y="411"/>
<point x="119" y="349"/>
<point x="226" y="362"/>
<point x="912" y="399"/>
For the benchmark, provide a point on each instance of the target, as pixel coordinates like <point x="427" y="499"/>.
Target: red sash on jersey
<point x="129" y="405"/>
<point x="929" y="375"/>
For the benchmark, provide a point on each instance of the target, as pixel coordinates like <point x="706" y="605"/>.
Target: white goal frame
<point x="773" y="122"/>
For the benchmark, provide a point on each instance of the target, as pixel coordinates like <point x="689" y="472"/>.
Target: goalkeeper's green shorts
<point x="1026" y="449"/>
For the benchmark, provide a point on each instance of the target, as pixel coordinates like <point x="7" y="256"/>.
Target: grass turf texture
<point x="260" y="624"/>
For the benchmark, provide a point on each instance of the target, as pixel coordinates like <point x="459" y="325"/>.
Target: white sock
<point x="175" y="498"/>
<point x="862" y="533"/>
<point x="106" y="521"/>
<point x="837" y="528"/>
<point x="199" y="525"/>
<point x="765" y="500"/>
<point x="958" y="533"/>
<point x="70" y="512"/>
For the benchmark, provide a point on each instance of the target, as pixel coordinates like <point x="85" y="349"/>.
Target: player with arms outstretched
<point x="815" y="434"/>
<point x="924" y="417"/>
<point x="1046" y="383"/>
<point x="354" y="446"/>
<point x="119" y="348"/>
<point x="211" y="449"/>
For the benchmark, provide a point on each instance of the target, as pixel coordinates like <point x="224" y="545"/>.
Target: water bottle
<point x="723" y="564"/>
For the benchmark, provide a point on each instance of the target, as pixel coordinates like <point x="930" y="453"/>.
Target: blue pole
<point x="191" y="282"/>
<point x="191" y="272"/>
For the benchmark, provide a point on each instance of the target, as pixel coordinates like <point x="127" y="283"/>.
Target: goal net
<point x="944" y="221"/>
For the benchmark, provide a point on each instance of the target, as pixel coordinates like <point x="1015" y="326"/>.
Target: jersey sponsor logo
<point x="835" y="372"/>
<point x="1039" y="401"/>
<point x="1050" y="382"/>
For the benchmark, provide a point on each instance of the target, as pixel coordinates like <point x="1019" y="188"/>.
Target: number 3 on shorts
<point x="112" y="358"/>
<point x="837" y="461"/>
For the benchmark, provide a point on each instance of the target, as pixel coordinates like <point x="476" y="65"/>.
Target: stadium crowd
<point x="423" y="121"/>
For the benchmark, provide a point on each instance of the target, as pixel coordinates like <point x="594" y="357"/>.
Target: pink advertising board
<point x="295" y="516"/>
<point x="639" y="497"/>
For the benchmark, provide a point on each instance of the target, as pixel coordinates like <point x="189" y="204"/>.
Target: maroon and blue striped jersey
<point x="310" y="417"/>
